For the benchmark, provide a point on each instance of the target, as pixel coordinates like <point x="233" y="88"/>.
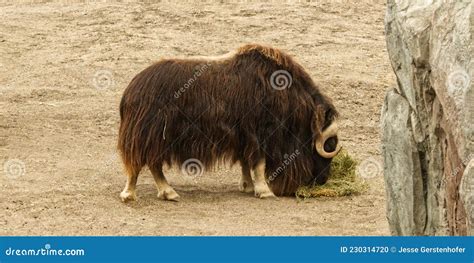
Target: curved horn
<point x="330" y="131"/>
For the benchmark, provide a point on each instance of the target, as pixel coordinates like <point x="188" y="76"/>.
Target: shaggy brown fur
<point x="226" y="109"/>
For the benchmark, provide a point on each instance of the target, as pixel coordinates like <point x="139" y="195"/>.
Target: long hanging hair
<point x="227" y="109"/>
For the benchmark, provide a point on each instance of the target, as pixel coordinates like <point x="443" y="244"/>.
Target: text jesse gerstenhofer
<point x="431" y="250"/>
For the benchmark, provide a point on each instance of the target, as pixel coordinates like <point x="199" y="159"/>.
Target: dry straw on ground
<point x="342" y="181"/>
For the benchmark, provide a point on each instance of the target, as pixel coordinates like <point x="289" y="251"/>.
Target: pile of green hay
<point x="342" y="180"/>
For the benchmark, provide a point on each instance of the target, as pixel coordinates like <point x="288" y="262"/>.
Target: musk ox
<point x="255" y="106"/>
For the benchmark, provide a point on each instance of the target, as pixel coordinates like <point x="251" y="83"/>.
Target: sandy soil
<point x="62" y="72"/>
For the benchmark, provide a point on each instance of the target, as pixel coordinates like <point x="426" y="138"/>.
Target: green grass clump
<point x="342" y="180"/>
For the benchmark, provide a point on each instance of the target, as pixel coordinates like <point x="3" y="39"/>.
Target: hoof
<point x="128" y="196"/>
<point x="168" y="194"/>
<point x="263" y="192"/>
<point x="246" y="187"/>
<point x="265" y="195"/>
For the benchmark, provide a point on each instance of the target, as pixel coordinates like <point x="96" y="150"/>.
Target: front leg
<point x="246" y="183"/>
<point x="261" y="187"/>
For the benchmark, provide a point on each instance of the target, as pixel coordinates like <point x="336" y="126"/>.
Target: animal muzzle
<point x="328" y="133"/>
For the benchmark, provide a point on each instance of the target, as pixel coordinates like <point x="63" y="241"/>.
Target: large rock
<point x="428" y="119"/>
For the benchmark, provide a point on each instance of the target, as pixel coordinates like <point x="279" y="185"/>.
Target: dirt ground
<point x="63" y="68"/>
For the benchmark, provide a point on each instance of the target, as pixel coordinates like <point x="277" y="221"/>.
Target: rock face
<point x="428" y="119"/>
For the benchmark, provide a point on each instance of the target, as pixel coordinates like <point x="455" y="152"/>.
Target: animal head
<point x="326" y="142"/>
<point x="310" y="163"/>
<point x="302" y="152"/>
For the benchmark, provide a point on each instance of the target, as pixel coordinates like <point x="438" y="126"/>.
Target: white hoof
<point x="127" y="196"/>
<point x="168" y="194"/>
<point x="264" y="193"/>
<point x="245" y="186"/>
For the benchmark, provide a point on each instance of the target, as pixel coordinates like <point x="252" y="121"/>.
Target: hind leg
<point x="128" y="193"/>
<point x="165" y="191"/>
<point x="246" y="183"/>
<point x="261" y="187"/>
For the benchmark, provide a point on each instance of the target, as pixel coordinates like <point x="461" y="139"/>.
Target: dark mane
<point x="226" y="110"/>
